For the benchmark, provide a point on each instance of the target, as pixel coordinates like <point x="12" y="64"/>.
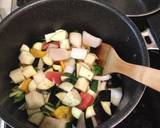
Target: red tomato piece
<point x="54" y="77"/>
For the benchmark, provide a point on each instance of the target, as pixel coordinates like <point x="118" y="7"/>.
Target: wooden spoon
<point x="112" y="63"/>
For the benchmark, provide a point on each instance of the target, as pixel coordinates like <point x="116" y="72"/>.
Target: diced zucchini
<point x="64" y="78"/>
<point x="28" y="71"/>
<point x="66" y="86"/>
<point x="34" y="100"/>
<point x="40" y="65"/>
<point x="106" y="106"/>
<point x="81" y="122"/>
<point x="82" y="84"/>
<point x="32" y="86"/>
<point x="65" y="44"/>
<point x="79" y="53"/>
<point x="16" y="75"/>
<point x="26" y="57"/>
<point x="59" y="35"/>
<point x="102" y="86"/>
<point x="38" y="45"/>
<point x="61" y="95"/>
<point x="75" y="39"/>
<point x="90" y="112"/>
<point x="76" y="112"/>
<point x="92" y="93"/>
<point x="48" y="36"/>
<point x="32" y="111"/>
<point x="84" y="72"/>
<point x="57" y="68"/>
<point x="90" y="59"/>
<point x="36" y="118"/>
<point x="47" y="59"/>
<point x="24" y="47"/>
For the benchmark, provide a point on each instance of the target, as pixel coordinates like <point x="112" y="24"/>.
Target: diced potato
<point x="79" y="53"/>
<point x="32" y="111"/>
<point x="38" y="45"/>
<point x="32" y="86"/>
<point x="90" y="59"/>
<point x="17" y="75"/>
<point x="48" y="36"/>
<point x="28" y="71"/>
<point x="82" y="84"/>
<point x="66" y="86"/>
<point x="24" y="47"/>
<point x="59" y="35"/>
<point x="106" y="106"/>
<point x="26" y="57"/>
<point x="65" y="44"/>
<point x="75" y="39"/>
<point x="34" y="100"/>
<point x="47" y="59"/>
<point x="57" y="68"/>
<point x="84" y="72"/>
<point x="76" y="112"/>
<point x="36" y="118"/>
<point x="90" y="112"/>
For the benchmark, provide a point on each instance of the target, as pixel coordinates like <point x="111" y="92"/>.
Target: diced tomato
<point x="54" y="77"/>
<point x="87" y="100"/>
<point x="45" y="46"/>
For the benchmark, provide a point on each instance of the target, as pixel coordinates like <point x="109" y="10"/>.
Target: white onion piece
<point x="75" y="39"/>
<point x="79" y="53"/>
<point x="116" y="95"/>
<point x="91" y="40"/>
<point x="69" y="69"/>
<point x="58" y="54"/>
<point x="53" y="45"/>
<point x="102" y="78"/>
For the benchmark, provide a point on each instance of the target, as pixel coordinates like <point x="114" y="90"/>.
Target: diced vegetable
<point x="81" y="122"/>
<point x="75" y="39"/>
<point x="69" y="69"/>
<point x="49" y="70"/>
<point x="94" y="85"/>
<point x="32" y="111"/>
<point x="37" y="53"/>
<point x="90" y="112"/>
<point x="47" y="59"/>
<point x="24" y="47"/>
<point x="63" y="78"/>
<point x="65" y="44"/>
<point x="78" y="66"/>
<point x="17" y="95"/>
<point x="36" y="118"/>
<point x="32" y="86"/>
<point x="71" y="78"/>
<point x="90" y="59"/>
<point x="48" y="36"/>
<point x="97" y="69"/>
<point x="104" y="95"/>
<point x="66" y="86"/>
<point x="62" y="65"/>
<point x="16" y="75"/>
<point x="55" y="77"/>
<point x="106" y="106"/>
<point x="76" y="112"/>
<point x="61" y="95"/>
<point x="38" y="46"/>
<point x="87" y="100"/>
<point x="116" y="95"/>
<point x="24" y="86"/>
<point x="57" y="68"/>
<point x="102" y="78"/>
<point x="59" y="35"/>
<point x="46" y="96"/>
<point x="58" y="54"/>
<point x="102" y="86"/>
<point x="91" y="40"/>
<point x="82" y="84"/>
<point x="26" y="57"/>
<point x="40" y="65"/>
<point x="28" y="71"/>
<point x="34" y="100"/>
<point x="79" y="53"/>
<point x="91" y="93"/>
<point x="84" y="72"/>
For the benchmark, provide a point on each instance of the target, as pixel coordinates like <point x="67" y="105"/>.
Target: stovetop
<point x="147" y="112"/>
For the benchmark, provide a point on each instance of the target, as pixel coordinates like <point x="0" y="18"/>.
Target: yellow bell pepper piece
<point x="62" y="65"/>
<point x="24" y="85"/>
<point x="62" y="112"/>
<point x="37" y="53"/>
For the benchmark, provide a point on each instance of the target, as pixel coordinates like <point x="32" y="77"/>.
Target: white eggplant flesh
<point x="59" y="35"/>
<point x="36" y="118"/>
<point x="75" y="39"/>
<point x="78" y="66"/>
<point x="106" y="107"/>
<point x="65" y="44"/>
<point x="91" y="40"/>
<point x="61" y="95"/>
<point x="32" y="111"/>
<point x="79" y="53"/>
<point x="47" y="59"/>
<point x="66" y="86"/>
<point x="34" y="100"/>
<point x="57" y="67"/>
<point x="29" y="71"/>
<point x="32" y="86"/>
<point x="64" y="78"/>
<point x="26" y="57"/>
<point x="24" y="47"/>
<point x="40" y="65"/>
<point x="84" y="72"/>
<point x="90" y="112"/>
<point x="82" y="84"/>
<point x="116" y="95"/>
<point x="81" y="122"/>
<point x="76" y="112"/>
<point x="48" y="36"/>
<point x="46" y="96"/>
<point x="90" y="59"/>
<point x="16" y="75"/>
<point x="38" y="45"/>
<point x="102" y="86"/>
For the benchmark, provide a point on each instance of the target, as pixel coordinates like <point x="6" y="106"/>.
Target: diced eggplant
<point x="38" y="45"/>
<point x="32" y="86"/>
<point x="102" y="86"/>
<point x="81" y="122"/>
<point x="61" y="95"/>
<point x="16" y="75"/>
<point x="79" y="53"/>
<point x="82" y="84"/>
<point x="57" y="68"/>
<point x="49" y="70"/>
<point x="94" y="121"/>
<point x="26" y="58"/>
<point x="24" y="47"/>
<point x="46" y="96"/>
<point x="59" y="35"/>
<point x="107" y="107"/>
<point x="75" y="39"/>
<point x="76" y="112"/>
<point x="90" y="112"/>
<point x="36" y="118"/>
<point x="91" y="92"/>
<point x="78" y="66"/>
<point x="50" y="122"/>
<point x="65" y="44"/>
<point x="34" y="100"/>
<point x="102" y="78"/>
<point x="63" y="78"/>
<point x="84" y="72"/>
<point x="32" y="111"/>
<point x="48" y="36"/>
<point x="90" y="59"/>
<point x="69" y="68"/>
<point x="47" y="59"/>
<point x="66" y="86"/>
<point x="116" y="95"/>
<point x="28" y="71"/>
<point x="40" y="65"/>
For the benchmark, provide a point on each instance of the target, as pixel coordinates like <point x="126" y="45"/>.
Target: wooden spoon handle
<point x="145" y="75"/>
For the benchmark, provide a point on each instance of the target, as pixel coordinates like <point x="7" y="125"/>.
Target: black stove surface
<point x="147" y="112"/>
